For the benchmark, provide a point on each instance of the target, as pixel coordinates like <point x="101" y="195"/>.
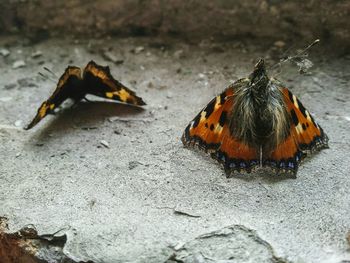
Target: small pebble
<point x="5" y="99"/>
<point x="10" y="86"/>
<point x="18" y="123"/>
<point x="104" y="143"/>
<point x="279" y="44"/>
<point x="111" y="57"/>
<point x="26" y="82"/>
<point x="4" y="52"/>
<point x="150" y="85"/>
<point x="201" y="76"/>
<point x="133" y="164"/>
<point x="179" y="54"/>
<point x="18" y="64"/>
<point x="37" y="54"/>
<point x="139" y="49"/>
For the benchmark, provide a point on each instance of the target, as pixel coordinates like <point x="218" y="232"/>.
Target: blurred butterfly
<point x="96" y="80"/>
<point x="256" y="122"/>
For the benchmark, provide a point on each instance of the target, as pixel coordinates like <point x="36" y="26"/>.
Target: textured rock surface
<point x="193" y="20"/>
<point x="122" y="200"/>
<point x="233" y="244"/>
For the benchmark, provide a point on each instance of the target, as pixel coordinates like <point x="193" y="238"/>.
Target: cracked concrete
<point x="116" y="200"/>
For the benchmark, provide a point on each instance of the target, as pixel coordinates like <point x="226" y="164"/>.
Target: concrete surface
<point x="135" y="201"/>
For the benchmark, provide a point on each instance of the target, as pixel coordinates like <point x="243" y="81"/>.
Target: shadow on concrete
<point x="82" y="116"/>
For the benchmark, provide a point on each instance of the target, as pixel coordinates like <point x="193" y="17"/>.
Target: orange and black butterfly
<point x="96" y="80"/>
<point x="256" y="122"/>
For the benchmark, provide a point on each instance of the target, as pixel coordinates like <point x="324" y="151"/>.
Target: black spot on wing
<point x="294" y="117"/>
<point x="304" y="126"/>
<point x="222" y="98"/>
<point x="223" y="118"/>
<point x="211" y="127"/>
<point x="290" y="95"/>
<point x="210" y="108"/>
<point x="196" y="120"/>
<point x="301" y="108"/>
<point x="186" y="136"/>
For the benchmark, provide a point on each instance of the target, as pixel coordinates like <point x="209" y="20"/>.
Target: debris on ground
<point x="179" y="54"/>
<point x="104" y="143"/>
<point x="279" y="44"/>
<point x="10" y="86"/>
<point x="138" y="50"/>
<point x="26" y="246"/>
<point x="234" y="244"/>
<point x="18" y="64"/>
<point x="5" y="99"/>
<point x="178" y="212"/>
<point x="109" y="56"/>
<point x="4" y="52"/>
<point x="26" y="82"/>
<point x="18" y="123"/>
<point x="37" y="54"/>
<point x="133" y="164"/>
<point x="304" y="65"/>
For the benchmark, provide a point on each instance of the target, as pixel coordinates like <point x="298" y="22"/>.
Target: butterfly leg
<point x="227" y="171"/>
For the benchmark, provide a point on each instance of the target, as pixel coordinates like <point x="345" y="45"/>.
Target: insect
<point x="96" y="80"/>
<point x="256" y="122"/>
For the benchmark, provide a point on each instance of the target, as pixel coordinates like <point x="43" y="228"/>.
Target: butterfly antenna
<point x="300" y="54"/>
<point x="283" y="57"/>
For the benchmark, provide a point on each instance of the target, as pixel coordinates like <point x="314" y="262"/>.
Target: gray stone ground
<point x="124" y="203"/>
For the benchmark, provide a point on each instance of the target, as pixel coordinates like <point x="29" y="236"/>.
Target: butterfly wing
<point x="209" y="131"/>
<point x="305" y="137"/>
<point x="99" y="81"/>
<point x="64" y="89"/>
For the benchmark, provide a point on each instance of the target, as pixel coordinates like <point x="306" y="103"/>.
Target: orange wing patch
<point x="209" y="131"/>
<point x="286" y="157"/>
<point x="308" y="134"/>
<point x="305" y="137"/>
<point x="101" y="83"/>
<point x="205" y="130"/>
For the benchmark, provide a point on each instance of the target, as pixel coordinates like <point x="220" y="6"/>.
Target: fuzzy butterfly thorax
<point x="259" y="117"/>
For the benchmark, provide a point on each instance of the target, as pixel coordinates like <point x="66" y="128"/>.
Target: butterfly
<point x="256" y="122"/>
<point x="95" y="79"/>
